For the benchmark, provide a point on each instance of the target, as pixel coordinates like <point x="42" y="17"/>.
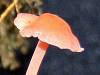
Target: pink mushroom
<point x="50" y="29"/>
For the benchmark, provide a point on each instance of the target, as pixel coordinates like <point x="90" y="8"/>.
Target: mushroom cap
<point x="24" y="19"/>
<point x="48" y="28"/>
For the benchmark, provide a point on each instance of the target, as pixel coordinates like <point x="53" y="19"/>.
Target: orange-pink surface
<point x="48" y="28"/>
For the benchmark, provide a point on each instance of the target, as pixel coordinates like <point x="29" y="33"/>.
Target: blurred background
<point x="16" y="51"/>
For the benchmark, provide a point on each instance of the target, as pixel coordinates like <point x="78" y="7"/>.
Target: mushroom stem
<point x="37" y="58"/>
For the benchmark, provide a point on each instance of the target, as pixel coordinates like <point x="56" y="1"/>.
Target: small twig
<point x="16" y="5"/>
<point x="7" y="11"/>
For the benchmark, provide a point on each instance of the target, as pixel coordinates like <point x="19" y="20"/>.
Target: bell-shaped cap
<point x="48" y="28"/>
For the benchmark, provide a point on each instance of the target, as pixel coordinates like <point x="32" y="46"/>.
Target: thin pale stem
<point x="37" y="58"/>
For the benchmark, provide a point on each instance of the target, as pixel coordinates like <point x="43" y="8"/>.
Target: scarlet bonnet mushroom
<point x="50" y="29"/>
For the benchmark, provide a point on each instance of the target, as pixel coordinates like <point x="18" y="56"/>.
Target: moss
<point x="10" y="39"/>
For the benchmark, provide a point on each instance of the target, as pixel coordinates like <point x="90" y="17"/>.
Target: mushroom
<point x="50" y="29"/>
